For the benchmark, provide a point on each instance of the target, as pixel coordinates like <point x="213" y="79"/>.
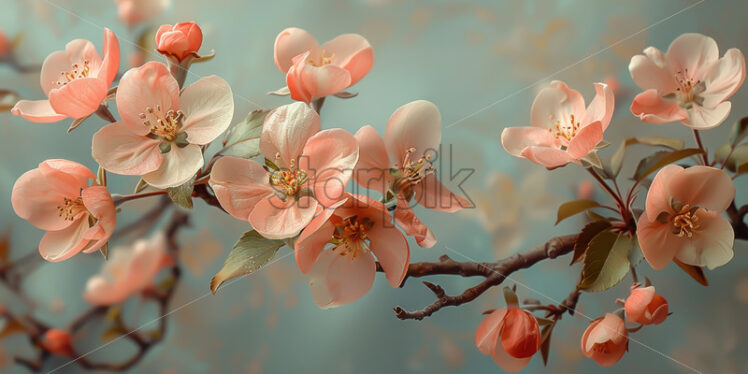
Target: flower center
<point x="410" y="173"/>
<point x="288" y="182"/>
<point x="76" y="71"/>
<point x="163" y="125"/>
<point x="350" y="235"/>
<point x="688" y="91"/>
<point x="70" y="208"/>
<point x="602" y="347"/>
<point x="685" y="221"/>
<point x="323" y="60"/>
<point x="565" y="130"/>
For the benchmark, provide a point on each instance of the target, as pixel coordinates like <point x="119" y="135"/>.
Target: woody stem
<point x="704" y="156"/>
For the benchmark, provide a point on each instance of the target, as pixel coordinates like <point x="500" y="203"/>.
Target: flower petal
<point x="148" y="86"/>
<point x="601" y="107"/>
<point x="372" y="168"/>
<point x="120" y="150"/>
<point x="290" y="43"/>
<point x="99" y="202"/>
<point x="54" y="66"/>
<point x="516" y="139"/>
<point x="178" y="167"/>
<point x="724" y="79"/>
<point x="653" y="71"/>
<point x="110" y="63"/>
<point x="321" y="81"/>
<point x="585" y="140"/>
<point x="653" y="109"/>
<point x="487" y="334"/>
<point x="693" y="53"/>
<point x="353" y="53"/>
<point x="39" y="111"/>
<point x="239" y="184"/>
<point x="712" y="243"/>
<point x="275" y="219"/>
<point x="79" y="98"/>
<point x="338" y="280"/>
<point x="557" y="102"/>
<point x="328" y="158"/>
<point x="36" y="201"/>
<point x="548" y="157"/>
<point x="659" y="245"/>
<point x="414" y="125"/>
<point x="391" y="249"/>
<point x="658" y="196"/>
<point x="703" y="118"/>
<point x="412" y="226"/>
<point x="702" y="186"/>
<point x="286" y="131"/>
<point x="57" y="246"/>
<point x="312" y="241"/>
<point x="432" y="194"/>
<point x="208" y="107"/>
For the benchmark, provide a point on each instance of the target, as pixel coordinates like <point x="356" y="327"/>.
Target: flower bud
<point x="58" y="342"/>
<point x="5" y="45"/>
<point x="646" y="307"/>
<point x="511" y="336"/>
<point x="180" y="40"/>
<point x="605" y="340"/>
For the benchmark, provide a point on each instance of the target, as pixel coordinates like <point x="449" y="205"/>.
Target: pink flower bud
<point x="180" y="40"/>
<point x="511" y="336"/>
<point x="5" y="45"/>
<point x="58" y="342"/>
<point x="605" y="340"/>
<point x="646" y="307"/>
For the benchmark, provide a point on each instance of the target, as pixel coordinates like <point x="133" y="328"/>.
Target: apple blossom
<point x="646" y="307"/>
<point x="162" y="130"/>
<point x="75" y="81"/>
<point x="307" y="167"/>
<point x="562" y="129"/>
<point x="511" y="336"/>
<point x="606" y="340"/>
<point x="682" y="217"/>
<point x="314" y="71"/>
<point x="57" y="198"/>
<point x="400" y="165"/>
<point x="359" y="229"/>
<point x="181" y="40"/>
<point x="688" y="83"/>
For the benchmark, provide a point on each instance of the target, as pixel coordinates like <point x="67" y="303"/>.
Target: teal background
<point x="481" y="63"/>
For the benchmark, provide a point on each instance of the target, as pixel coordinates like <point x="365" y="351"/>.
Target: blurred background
<point x="481" y="63"/>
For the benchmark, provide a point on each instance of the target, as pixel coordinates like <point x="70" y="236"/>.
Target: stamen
<point x="410" y="173"/>
<point x="686" y="222"/>
<point x="323" y="60"/>
<point x="77" y="71"/>
<point x="288" y="183"/>
<point x="70" y="208"/>
<point x="566" y="130"/>
<point x="163" y="125"/>
<point x="350" y="235"/>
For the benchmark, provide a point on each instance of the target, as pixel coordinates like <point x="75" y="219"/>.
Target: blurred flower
<point x="586" y="189"/>
<point x="314" y="71"/>
<point x="180" y="40"/>
<point x="277" y="202"/>
<point x="58" y="342"/>
<point x="136" y="59"/>
<point x="511" y="336"/>
<point x="359" y="228"/>
<point x="646" y="307"/>
<point x="133" y="12"/>
<point x="57" y="198"/>
<point x="689" y="83"/>
<point x="390" y="166"/>
<point x="562" y="129"/>
<point x="162" y="130"/>
<point x="682" y="218"/>
<point x="75" y="80"/>
<point x="5" y="45"/>
<point x="129" y="270"/>
<point x="605" y="340"/>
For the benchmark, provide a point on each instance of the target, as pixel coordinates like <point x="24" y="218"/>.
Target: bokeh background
<point x="481" y="63"/>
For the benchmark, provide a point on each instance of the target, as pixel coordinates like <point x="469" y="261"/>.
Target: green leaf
<point x="612" y="166"/>
<point x="182" y="195"/>
<point x="571" y="208"/>
<point x="583" y="239"/>
<point x="672" y="143"/>
<point x="545" y="347"/>
<point x="696" y="272"/>
<point x="243" y="139"/>
<point x="10" y="326"/>
<point x="739" y="131"/>
<point x="592" y="159"/>
<point x="77" y="122"/>
<point x="141" y="185"/>
<point x="738" y="157"/>
<point x="606" y="261"/>
<point x="650" y="164"/>
<point x="113" y="332"/>
<point x="249" y="254"/>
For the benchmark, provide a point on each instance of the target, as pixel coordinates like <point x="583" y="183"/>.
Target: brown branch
<point x="737" y="219"/>
<point x="495" y="274"/>
<point x="201" y="191"/>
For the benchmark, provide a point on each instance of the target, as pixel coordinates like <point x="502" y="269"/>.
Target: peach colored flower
<point x="511" y="336"/>
<point x="5" y="45"/>
<point x="162" y="130"/>
<point x="605" y="340"/>
<point x="689" y="83"/>
<point x="128" y="271"/>
<point x="309" y="167"/>
<point x="401" y="166"/>
<point x="682" y="217"/>
<point x="646" y="307"/>
<point x="75" y="81"/>
<point x="181" y="40"/>
<point x="562" y="129"/>
<point x="133" y="12"/>
<point x="314" y="71"/>
<point x="57" y="198"/>
<point x="358" y="228"/>
<point x="58" y="341"/>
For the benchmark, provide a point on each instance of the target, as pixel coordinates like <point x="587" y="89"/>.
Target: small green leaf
<point x="592" y="159"/>
<point x="77" y="122"/>
<point x="543" y="321"/>
<point x="696" y="272"/>
<point x="571" y="208"/>
<point x="606" y="261"/>
<point x="249" y="254"/>
<point x="583" y="239"/>
<point x="113" y="332"/>
<point x="655" y="141"/>
<point x="182" y="195"/>
<point x="650" y="164"/>
<point x="612" y="166"/>
<point x="738" y="157"/>
<point x="105" y="250"/>
<point x="243" y="139"/>
<point x="545" y="347"/>
<point x="511" y="298"/>
<point x="141" y="185"/>
<point x="739" y="131"/>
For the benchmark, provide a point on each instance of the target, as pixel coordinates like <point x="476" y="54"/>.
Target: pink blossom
<point x="688" y="83"/>
<point x="75" y="81"/>
<point x="646" y="307"/>
<point x="309" y="166"/>
<point x="400" y="165"/>
<point x="128" y="271"/>
<point x="58" y="341"/>
<point x="562" y="129"/>
<point x="181" y="40"/>
<point x="57" y="198"/>
<point x="358" y="228"/>
<point x="511" y="336"/>
<point x="314" y="71"/>
<point x="162" y="130"/>
<point x="682" y="217"/>
<point x="606" y="340"/>
<point x="133" y="12"/>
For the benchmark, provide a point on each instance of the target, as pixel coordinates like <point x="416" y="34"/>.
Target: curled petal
<point x="328" y="158"/>
<point x="353" y="53"/>
<point x="79" y="98"/>
<point x="57" y="246"/>
<point x="546" y="156"/>
<point x="99" y="202"/>
<point x="290" y="43"/>
<point x="148" y="86"/>
<point x="585" y="140"/>
<point x="653" y="109"/>
<point x="601" y="107"/>
<point x="556" y="102"/>
<point x="286" y="131"/>
<point x="208" y="107"/>
<point x="338" y="280"/>
<point x="414" y="125"/>
<point x="39" y="111"/>
<point x="110" y="63"/>
<point x="239" y="184"/>
<point x="412" y="226"/>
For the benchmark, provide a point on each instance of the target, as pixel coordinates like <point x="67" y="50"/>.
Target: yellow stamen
<point x="163" y="125"/>
<point x="70" y="208"/>
<point x="77" y="71"/>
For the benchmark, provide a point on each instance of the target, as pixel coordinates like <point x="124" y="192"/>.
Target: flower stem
<point x="704" y="156"/>
<point x="104" y="113"/>
<point x="119" y="199"/>
<point x="621" y="206"/>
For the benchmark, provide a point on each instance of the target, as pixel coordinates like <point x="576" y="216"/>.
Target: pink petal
<point x="120" y="150"/>
<point x="653" y="71"/>
<point x="79" y="98"/>
<point x="432" y="194"/>
<point x="148" y="86"/>
<point x="636" y="304"/>
<point x="694" y="53"/>
<point x="57" y="246"/>
<point x="353" y="53"/>
<point x="275" y="219"/>
<point x="338" y="280"/>
<point x="520" y="333"/>
<point x="289" y="43"/>
<point x="659" y="245"/>
<point x="372" y="169"/>
<point x="39" y="111"/>
<point x="53" y="67"/>
<point x="601" y="107"/>
<point x="321" y="81"/>
<point x="110" y="63"/>
<point x="391" y="249"/>
<point x="239" y="184"/>
<point x="312" y="241"/>
<point x="412" y="226"/>
<point x="286" y="131"/>
<point x="36" y="201"/>
<point x="413" y="125"/>
<point x="653" y="109"/>
<point x="712" y="243"/>
<point x="179" y="165"/>
<point x="658" y="197"/>
<point x="557" y="102"/>
<point x="80" y="50"/>
<point x="81" y="173"/>
<point x="294" y="84"/>
<point x="548" y="157"/>
<point x="487" y="334"/>
<point x="703" y="118"/>
<point x="208" y="107"/>
<point x="99" y="202"/>
<point x="328" y="158"/>
<point x="516" y="139"/>
<point x="506" y="361"/>
<point x="585" y="140"/>
<point x="702" y="186"/>
<point x="724" y="78"/>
